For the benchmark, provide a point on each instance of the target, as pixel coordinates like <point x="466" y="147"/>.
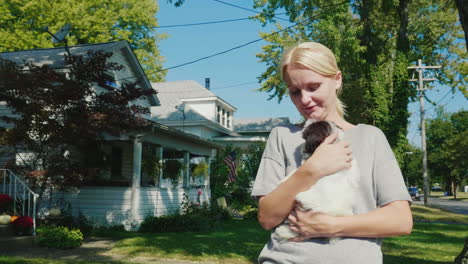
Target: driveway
<point x="458" y="207"/>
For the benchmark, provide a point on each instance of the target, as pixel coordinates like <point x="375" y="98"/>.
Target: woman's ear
<point x="339" y="80"/>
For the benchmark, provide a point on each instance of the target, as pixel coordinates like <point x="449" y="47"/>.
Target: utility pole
<point x="420" y="68"/>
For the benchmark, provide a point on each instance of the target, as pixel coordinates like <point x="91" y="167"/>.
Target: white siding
<point x="206" y="109"/>
<point x="112" y="205"/>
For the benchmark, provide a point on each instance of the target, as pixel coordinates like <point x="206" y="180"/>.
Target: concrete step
<point x="6" y="231"/>
<point x="10" y="241"/>
<point x="14" y="242"/>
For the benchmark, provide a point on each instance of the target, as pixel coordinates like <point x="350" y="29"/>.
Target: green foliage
<point x="251" y="214"/>
<point x="59" y="237"/>
<point x="151" y="164"/>
<point x="22" y="23"/>
<point x="237" y="193"/>
<point x="191" y="217"/>
<point x="172" y="169"/>
<point x="374" y="42"/>
<point x="199" y="170"/>
<point x="447" y="142"/>
<point x="411" y="167"/>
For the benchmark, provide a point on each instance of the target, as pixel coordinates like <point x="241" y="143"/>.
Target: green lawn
<point x="240" y="241"/>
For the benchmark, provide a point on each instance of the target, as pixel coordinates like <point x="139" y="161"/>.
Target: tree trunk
<point x="462" y="6"/>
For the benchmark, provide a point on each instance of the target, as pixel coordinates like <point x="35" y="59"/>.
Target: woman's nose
<point x="305" y="97"/>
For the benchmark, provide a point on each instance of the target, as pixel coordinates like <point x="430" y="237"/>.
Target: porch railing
<point x="24" y="199"/>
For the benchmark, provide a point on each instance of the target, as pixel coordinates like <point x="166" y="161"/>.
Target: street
<point x="458" y="207"/>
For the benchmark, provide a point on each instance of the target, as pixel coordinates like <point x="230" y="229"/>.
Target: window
<point x="116" y="163"/>
<point x="109" y="82"/>
<point x="223" y="118"/>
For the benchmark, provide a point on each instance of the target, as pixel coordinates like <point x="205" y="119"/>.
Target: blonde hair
<point x="316" y="57"/>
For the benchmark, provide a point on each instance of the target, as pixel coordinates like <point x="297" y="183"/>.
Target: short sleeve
<point x="388" y="180"/>
<point x="272" y="166"/>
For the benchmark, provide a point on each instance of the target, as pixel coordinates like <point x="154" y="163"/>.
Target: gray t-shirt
<point x="381" y="182"/>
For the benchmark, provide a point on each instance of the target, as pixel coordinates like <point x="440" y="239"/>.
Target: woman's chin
<point x="314" y="116"/>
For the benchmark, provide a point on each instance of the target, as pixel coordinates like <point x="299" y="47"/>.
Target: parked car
<point x="414" y="193"/>
<point x="436" y="189"/>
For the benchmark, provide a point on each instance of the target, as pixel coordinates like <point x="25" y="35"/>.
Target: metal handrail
<point x="15" y="187"/>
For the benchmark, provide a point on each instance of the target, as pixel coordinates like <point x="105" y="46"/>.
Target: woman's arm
<point x="392" y="219"/>
<point x="327" y="159"/>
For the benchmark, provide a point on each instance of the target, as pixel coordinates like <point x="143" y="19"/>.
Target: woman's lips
<point x="310" y="108"/>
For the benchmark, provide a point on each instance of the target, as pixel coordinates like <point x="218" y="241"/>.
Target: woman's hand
<point x="309" y="224"/>
<point x="329" y="158"/>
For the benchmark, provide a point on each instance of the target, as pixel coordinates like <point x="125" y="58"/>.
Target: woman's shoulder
<point x="365" y="131"/>
<point x="368" y="129"/>
<point x="286" y="129"/>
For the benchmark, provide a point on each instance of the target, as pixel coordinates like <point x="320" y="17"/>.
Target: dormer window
<point x="224" y="116"/>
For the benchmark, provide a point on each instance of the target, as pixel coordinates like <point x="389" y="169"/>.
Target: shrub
<point x="251" y="214"/>
<point x="59" y="237"/>
<point x="192" y="217"/>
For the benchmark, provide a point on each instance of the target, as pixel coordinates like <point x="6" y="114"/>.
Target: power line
<point x="251" y="10"/>
<point x="440" y="100"/>
<point x="237" y="47"/>
<point x="204" y="23"/>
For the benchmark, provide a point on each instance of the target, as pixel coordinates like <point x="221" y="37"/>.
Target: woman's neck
<point x="341" y="122"/>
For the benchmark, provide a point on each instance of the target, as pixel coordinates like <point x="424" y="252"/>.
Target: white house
<point x="124" y="195"/>
<point x="192" y="108"/>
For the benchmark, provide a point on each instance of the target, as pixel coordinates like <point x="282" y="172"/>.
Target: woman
<point x="382" y="208"/>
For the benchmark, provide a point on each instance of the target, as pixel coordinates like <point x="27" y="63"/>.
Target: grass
<point x="422" y="213"/>
<point x="240" y="241"/>
<point x="461" y="196"/>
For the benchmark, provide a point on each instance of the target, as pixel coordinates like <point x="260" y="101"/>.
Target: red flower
<point x="199" y="192"/>
<point x="5" y="200"/>
<point x="23" y="222"/>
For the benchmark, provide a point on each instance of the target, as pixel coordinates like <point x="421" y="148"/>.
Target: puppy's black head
<point x="314" y="134"/>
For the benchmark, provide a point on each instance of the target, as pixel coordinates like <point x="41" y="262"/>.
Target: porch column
<point x="136" y="179"/>
<point x="187" y="168"/>
<point x="159" y="154"/>
<point x="210" y="158"/>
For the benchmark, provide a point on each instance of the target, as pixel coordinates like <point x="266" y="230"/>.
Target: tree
<point x="374" y="42"/>
<point x="447" y="142"/>
<point x="237" y="193"/>
<point x="411" y="167"/>
<point x="62" y="118"/>
<point x="22" y="25"/>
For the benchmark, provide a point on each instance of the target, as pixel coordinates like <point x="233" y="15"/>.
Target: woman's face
<point x="313" y="94"/>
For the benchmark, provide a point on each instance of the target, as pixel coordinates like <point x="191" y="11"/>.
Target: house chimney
<point x="207" y="83"/>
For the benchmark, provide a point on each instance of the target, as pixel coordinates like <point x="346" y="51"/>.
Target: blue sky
<point x="234" y="75"/>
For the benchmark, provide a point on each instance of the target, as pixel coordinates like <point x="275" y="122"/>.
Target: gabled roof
<point x="54" y="57"/>
<point x="259" y="124"/>
<point x="174" y="94"/>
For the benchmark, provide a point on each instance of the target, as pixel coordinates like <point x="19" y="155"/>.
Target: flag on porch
<point x="230" y="161"/>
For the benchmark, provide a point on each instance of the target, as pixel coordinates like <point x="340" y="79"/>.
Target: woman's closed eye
<point x="312" y="87"/>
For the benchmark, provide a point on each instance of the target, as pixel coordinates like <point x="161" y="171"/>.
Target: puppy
<point x="334" y="194"/>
